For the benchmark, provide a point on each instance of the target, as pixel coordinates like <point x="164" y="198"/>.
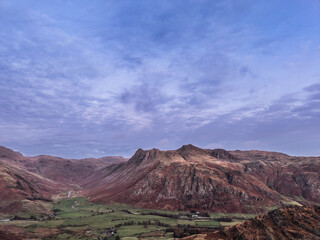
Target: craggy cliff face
<point x="202" y="179"/>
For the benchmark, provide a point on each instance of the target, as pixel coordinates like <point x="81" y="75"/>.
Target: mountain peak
<point x="222" y="154"/>
<point x="143" y="155"/>
<point x="189" y="147"/>
<point x="8" y="153"/>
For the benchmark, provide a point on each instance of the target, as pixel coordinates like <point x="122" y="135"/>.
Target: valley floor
<point x="76" y="218"/>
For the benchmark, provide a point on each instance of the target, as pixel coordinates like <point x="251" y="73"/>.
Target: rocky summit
<point x="210" y="180"/>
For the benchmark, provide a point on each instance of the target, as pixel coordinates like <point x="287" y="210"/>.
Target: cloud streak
<point x="80" y="78"/>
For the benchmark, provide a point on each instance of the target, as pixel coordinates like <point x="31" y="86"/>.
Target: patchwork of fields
<point x="76" y="218"/>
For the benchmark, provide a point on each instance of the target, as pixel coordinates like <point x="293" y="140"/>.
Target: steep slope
<point x="69" y="171"/>
<point x="13" y="158"/>
<point x="204" y="179"/>
<point x="285" y="223"/>
<point x="27" y="183"/>
<point x="65" y="171"/>
<point x="184" y="179"/>
<point x="21" y="189"/>
<point x="290" y="176"/>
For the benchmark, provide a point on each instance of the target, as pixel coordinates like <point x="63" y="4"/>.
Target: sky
<point x="89" y="78"/>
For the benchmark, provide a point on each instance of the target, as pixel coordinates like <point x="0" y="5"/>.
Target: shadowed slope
<point x="292" y="222"/>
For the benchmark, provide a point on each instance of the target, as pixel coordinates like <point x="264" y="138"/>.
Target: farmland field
<point x="77" y="218"/>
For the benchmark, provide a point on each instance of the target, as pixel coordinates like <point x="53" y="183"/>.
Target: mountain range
<point x="189" y="178"/>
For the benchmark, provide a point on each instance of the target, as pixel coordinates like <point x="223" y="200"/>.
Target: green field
<point x="77" y="218"/>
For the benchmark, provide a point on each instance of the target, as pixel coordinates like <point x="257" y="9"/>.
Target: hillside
<point x="292" y="222"/>
<point x="29" y="183"/>
<point x="65" y="171"/>
<point x="189" y="178"/>
<point x="207" y="180"/>
<point x="25" y="191"/>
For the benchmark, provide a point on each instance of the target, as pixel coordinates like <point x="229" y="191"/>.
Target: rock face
<point x="210" y="180"/>
<point x="292" y="222"/>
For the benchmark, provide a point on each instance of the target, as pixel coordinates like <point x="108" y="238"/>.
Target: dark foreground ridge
<point x="292" y="222"/>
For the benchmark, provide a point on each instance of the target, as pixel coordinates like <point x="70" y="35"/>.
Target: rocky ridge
<point x="290" y="223"/>
<point x="209" y="180"/>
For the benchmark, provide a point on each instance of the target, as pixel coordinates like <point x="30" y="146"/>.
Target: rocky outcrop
<point x="292" y="222"/>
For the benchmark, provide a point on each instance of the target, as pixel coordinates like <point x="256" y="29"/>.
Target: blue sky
<point x="94" y="78"/>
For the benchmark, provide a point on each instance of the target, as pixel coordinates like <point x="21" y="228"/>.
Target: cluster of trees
<point x="24" y="218"/>
<point x="126" y="211"/>
<point x="200" y="214"/>
<point x="145" y="223"/>
<point x="100" y="213"/>
<point x="224" y="219"/>
<point x="177" y="216"/>
<point x="162" y="215"/>
<point x="34" y="218"/>
<point x="109" y="238"/>
<point x="186" y="230"/>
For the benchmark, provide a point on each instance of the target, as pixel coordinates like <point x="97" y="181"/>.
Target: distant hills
<point x="189" y="178"/>
<point x="27" y="183"/>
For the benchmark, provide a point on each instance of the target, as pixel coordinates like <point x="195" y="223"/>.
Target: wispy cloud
<point x="80" y="78"/>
